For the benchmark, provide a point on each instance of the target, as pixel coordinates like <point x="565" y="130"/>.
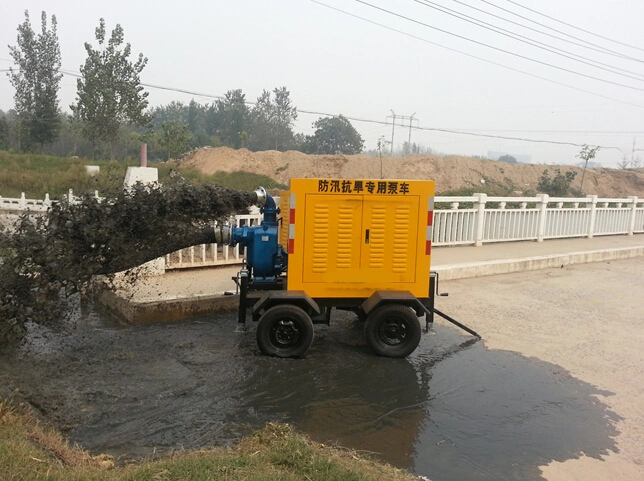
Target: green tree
<point x="557" y="186"/>
<point x="508" y="158"/>
<point x="37" y="82"/>
<point x="261" y="118"/>
<point x="175" y="138"/>
<point x="109" y="92"/>
<point x="173" y="112"/>
<point x="586" y="153"/>
<point x="4" y="132"/>
<point x="285" y="115"/>
<point x="334" y="135"/>
<point x="196" y="117"/>
<point x="272" y="120"/>
<point x="231" y="118"/>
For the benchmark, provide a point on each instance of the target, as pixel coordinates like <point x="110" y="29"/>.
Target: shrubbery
<point x="557" y="186"/>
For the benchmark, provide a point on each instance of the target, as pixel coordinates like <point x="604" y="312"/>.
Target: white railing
<point x="22" y="204"/>
<point x="471" y="220"/>
<point x="501" y="219"/>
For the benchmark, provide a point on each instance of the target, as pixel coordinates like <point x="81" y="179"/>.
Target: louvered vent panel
<point x="401" y="239"/>
<point x="345" y="240"/>
<point x="321" y="238"/>
<point x="377" y="237"/>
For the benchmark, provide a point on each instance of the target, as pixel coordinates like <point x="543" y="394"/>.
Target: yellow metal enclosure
<point x="349" y="238"/>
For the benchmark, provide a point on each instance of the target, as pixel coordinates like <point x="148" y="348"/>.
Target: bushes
<point x="557" y="186"/>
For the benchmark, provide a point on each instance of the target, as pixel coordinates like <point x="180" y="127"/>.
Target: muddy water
<point x="453" y="410"/>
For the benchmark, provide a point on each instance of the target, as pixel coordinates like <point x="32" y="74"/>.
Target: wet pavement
<point x="452" y="410"/>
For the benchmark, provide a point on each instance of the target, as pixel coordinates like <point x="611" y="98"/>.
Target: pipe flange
<point x="261" y="196"/>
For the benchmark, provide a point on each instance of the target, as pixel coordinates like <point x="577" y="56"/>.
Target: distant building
<point x="523" y="159"/>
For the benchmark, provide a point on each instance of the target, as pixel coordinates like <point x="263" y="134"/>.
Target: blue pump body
<point x="265" y="257"/>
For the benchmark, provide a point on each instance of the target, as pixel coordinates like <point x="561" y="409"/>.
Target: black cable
<point x="604" y="132"/>
<point x="573" y="26"/>
<point x="495" y="48"/>
<point x="529" y="41"/>
<point x="555" y="30"/>
<point x="380" y="122"/>
<point x="598" y="49"/>
<point x="474" y="56"/>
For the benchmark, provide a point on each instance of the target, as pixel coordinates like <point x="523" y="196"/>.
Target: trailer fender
<point x="405" y="298"/>
<point x="296" y="298"/>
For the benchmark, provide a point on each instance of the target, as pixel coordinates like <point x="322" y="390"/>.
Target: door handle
<point x="366" y="236"/>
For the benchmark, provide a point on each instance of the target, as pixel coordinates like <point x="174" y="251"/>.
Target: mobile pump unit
<point x="356" y="245"/>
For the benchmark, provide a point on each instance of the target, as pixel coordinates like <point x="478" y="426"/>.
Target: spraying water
<point x="48" y="258"/>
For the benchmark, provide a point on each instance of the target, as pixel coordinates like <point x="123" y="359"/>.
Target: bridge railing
<point x="467" y="220"/>
<point x="22" y="204"/>
<point x="479" y="219"/>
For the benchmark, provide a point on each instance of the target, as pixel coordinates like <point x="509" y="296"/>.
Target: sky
<point x="374" y="59"/>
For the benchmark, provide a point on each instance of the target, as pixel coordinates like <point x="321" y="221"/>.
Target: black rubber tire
<point x="285" y="331"/>
<point x="393" y="330"/>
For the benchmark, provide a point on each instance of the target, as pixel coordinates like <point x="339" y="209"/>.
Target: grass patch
<point x="239" y="180"/>
<point x="37" y="175"/>
<point x="30" y="450"/>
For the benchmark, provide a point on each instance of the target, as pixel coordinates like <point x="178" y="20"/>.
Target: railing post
<point x="479" y="205"/>
<point x="23" y="201"/>
<point x="592" y="200"/>
<point x="543" y="211"/>
<point x="631" y="223"/>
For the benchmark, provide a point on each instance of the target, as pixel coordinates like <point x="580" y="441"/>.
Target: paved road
<point x="589" y="319"/>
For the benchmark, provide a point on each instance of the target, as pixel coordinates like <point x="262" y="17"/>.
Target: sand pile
<point x="450" y="173"/>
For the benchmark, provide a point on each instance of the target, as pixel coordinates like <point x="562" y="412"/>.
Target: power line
<point x="603" y="132"/>
<point x="598" y="48"/>
<point x="378" y="122"/>
<point x="573" y="26"/>
<point x="407" y="34"/>
<point x="495" y="48"/>
<point x="371" y="121"/>
<point x="529" y="41"/>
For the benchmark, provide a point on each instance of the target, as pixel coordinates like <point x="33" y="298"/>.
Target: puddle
<point x="452" y="410"/>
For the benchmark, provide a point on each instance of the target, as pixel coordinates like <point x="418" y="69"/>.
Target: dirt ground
<point x="450" y="172"/>
<point x="587" y="319"/>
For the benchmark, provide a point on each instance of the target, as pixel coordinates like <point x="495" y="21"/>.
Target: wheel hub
<point x="393" y="332"/>
<point x="285" y="333"/>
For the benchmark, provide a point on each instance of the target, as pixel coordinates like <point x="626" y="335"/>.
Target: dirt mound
<point x="450" y="172"/>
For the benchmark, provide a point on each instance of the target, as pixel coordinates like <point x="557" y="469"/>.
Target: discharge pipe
<point x="222" y="234"/>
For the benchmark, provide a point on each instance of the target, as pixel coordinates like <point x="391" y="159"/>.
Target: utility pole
<point x="411" y="119"/>
<point x="402" y="123"/>
<point x="393" y="128"/>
